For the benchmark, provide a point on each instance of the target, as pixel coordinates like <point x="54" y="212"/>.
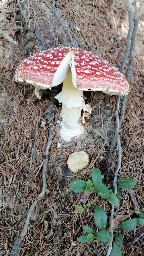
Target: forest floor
<point x="26" y="27"/>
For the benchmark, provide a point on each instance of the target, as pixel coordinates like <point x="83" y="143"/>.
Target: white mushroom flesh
<point x="72" y="104"/>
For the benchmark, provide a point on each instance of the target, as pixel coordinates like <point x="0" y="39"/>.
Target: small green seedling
<point x="130" y="224"/>
<point x="95" y="184"/>
<point x="126" y="225"/>
<point x="117" y="245"/>
<point x="126" y="183"/>
<point x="102" y="235"/>
<point x="100" y="216"/>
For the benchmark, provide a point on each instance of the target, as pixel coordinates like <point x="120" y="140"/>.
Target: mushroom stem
<point x="72" y="104"/>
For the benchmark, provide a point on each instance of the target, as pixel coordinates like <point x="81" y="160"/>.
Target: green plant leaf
<point x="96" y="176"/>
<point x="87" y="229"/>
<point x="128" y="225"/>
<point x="103" y="236"/>
<point x="112" y="199"/>
<point x="90" y="237"/>
<point x="89" y="186"/>
<point x="140" y="221"/>
<point x="116" y="250"/>
<point x="82" y="239"/>
<point x="119" y="239"/>
<point x="141" y="215"/>
<point x="102" y="190"/>
<point x="126" y="183"/>
<point x="78" y="186"/>
<point x="100" y="217"/>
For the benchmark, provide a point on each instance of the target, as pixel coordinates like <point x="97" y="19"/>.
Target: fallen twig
<point x="115" y="182"/>
<point x="114" y="140"/>
<point x="137" y="237"/>
<point x="131" y="59"/>
<point x="17" y="243"/>
<point x="129" y="52"/>
<point x="129" y="35"/>
<point x="122" y="67"/>
<point x="119" y="117"/>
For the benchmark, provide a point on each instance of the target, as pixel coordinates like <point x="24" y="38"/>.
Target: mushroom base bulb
<point x="68" y="132"/>
<point x="70" y="116"/>
<point x="72" y="104"/>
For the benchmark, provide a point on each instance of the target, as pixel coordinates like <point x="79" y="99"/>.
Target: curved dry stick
<point x="119" y="118"/>
<point x="122" y="67"/>
<point x="129" y="52"/>
<point x="131" y="60"/>
<point x="17" y="244"/>
<point x="115" y="181"/>
<point x="115" y="191"/>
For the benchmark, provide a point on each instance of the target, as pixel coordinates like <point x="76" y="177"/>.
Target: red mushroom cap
<point x="39" y="70"/>
<point x="90" y="72"/>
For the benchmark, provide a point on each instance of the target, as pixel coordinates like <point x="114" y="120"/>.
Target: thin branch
<point x="131" y="60"/>
<point x="129" y="35"/>
<point x="119" y="119"/>
<point x="137" y="237"/>
<point x="133" y="239"/>
<point x="122" y="67"/>
<point x="17" y="243"/>
<point x="119" y="165"/>
<point x="114" y="139"/>
<point x="129" y="52"/>
<point x="115" y="184"/>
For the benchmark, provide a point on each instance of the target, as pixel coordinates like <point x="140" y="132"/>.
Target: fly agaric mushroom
<point x="79" y="71"/>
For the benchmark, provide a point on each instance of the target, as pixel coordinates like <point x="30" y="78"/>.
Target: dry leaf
<point x="117" y="220"/>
